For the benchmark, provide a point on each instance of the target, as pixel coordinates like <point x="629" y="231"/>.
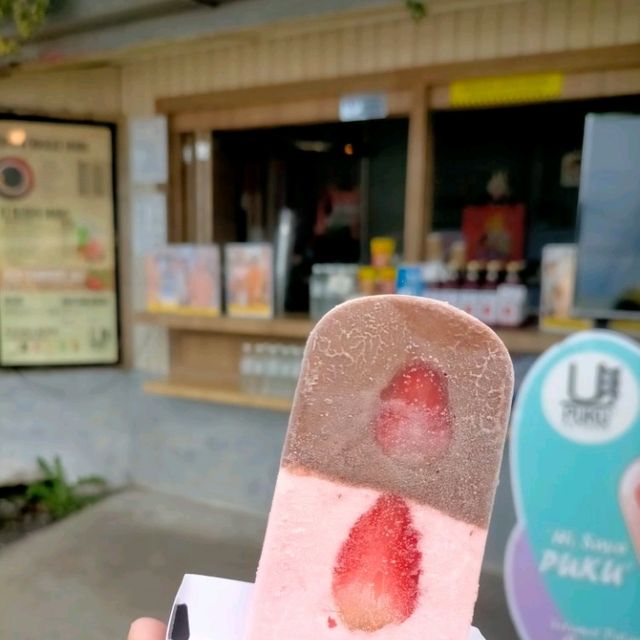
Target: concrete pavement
<point x="87" y="577"/>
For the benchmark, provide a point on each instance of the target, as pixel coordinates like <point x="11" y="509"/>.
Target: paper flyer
<point x="572" y="568"/>
<point x="558" y="271"/>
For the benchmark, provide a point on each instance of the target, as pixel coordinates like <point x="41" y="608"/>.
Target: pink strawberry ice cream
<point x="384" y="494"/>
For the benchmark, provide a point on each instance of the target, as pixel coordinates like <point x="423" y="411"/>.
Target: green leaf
<point x="47" y="471"/>
<point x="417" y="9"/>
<point x="96" y="480"/>
<point x="36" y="491"/>
<point x="55" y="493"/>
<point x="26" y="16"/>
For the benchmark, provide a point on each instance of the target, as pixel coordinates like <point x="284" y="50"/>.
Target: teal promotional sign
<point x="572" y="568"/>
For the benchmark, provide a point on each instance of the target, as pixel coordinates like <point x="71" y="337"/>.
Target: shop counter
<point x="205" y="354"/>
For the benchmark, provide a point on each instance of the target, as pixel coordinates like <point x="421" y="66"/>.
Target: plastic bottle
<point x="511" y="304"/>
<point x="488" y="295"/>
<point x="471" y="286"/>
<point x="247" y="368"/>
<point x="367" y="280"/>
<point x="271" y="370"/>
<point x="450" y="288"/>
<point x="259" y="368"/>
<point x="434" y="271"/>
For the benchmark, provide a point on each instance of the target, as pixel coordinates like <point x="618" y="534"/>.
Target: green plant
<point x="25" y="16"/>
<point x="417" y="8"/>
<point x="55" y="494"/>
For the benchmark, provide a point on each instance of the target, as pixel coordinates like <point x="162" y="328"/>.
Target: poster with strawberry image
<point x="58" y="262"/>
<point x="572" y="567"/>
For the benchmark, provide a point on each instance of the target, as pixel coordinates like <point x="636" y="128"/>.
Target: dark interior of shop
<point x="358" y="166"/>
<point x="529" y="143"/>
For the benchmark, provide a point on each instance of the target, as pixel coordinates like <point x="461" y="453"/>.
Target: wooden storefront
<point x="294" y="73"/>
<point x="429" y="65"/>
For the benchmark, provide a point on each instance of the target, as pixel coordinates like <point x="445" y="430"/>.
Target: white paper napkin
<point x="215" y="609"/>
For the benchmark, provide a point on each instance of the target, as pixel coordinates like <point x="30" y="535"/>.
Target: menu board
<point x="58" y="301"/>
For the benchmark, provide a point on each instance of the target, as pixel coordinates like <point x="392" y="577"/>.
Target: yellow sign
<point x="506" y="90"/>
<point x="57" y="244"/>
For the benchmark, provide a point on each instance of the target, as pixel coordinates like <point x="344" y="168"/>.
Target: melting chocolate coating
<point x="353" y="354"/>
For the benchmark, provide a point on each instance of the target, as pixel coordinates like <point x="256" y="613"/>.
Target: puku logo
<point x="591" y="408"/>
<point x="590" y="397"/>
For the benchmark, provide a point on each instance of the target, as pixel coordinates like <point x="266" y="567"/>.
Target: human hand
<point x="147" y="629"/>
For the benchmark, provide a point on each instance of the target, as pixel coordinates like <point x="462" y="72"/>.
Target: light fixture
<point x="348" y="149"/>
<point x="315" y="146"/>
<point x="16" y="137"/>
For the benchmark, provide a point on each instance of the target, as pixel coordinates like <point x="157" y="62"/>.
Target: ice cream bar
<point x="629" y="496"/>
<point x="388" y="474"/>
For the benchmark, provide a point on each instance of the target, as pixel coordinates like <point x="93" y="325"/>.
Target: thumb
<point x="147" y="629"/>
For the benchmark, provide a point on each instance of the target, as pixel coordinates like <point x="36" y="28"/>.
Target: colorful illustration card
<point x="215" y="609"/>
<point x="494" y="232"/>
<point x="572" y="568"/>
<point x="249" y="279"/>
<point x="558" y="280"/>
<point x="184" y="279"/>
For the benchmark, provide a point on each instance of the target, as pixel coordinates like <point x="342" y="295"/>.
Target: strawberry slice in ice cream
<point x="414" y="421"/>
<point x="375" y="579"/>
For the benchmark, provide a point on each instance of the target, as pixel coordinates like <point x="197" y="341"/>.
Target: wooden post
<point x="175" y="222"/>
<point x="419" y="187"/>
<point x="203" y="197"/>
<point x="188" y="173"/>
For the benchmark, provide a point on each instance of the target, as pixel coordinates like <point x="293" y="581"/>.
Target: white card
<point x="148" y="150"/>
<point x="215" y="609"/>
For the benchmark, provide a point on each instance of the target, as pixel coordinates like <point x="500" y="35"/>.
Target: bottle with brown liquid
<point x="487" y="297"/>
<point x="469" y="297"/>
<point x="511" y="303"/>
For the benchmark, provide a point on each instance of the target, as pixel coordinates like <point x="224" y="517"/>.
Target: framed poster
<point x="58" y="271"/>
<point x="494" y="232"/>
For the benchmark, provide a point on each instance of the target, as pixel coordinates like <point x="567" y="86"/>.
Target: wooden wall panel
<point x="628" y="30"/>
<point x="555" y="36"/>
<point x="445" y="30"/>
<point x="579" y="24"/>
<point x="532" y="28"/>
<point x="466" y="30"/>
<point x="377" y="41"/>
<point x="604" y="23"/>
<point x="488" y="21"/>
<point x="509" y="30"/>
<point x="77" y="93"/>
<point x="419" y="185"/>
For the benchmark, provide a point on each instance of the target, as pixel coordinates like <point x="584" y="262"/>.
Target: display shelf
<point x="218" y="393"/>
<point x="528" y="340"/>
<point x="206" y="352"/>
<point x="525" y="341"/>
<point x="292" y="327"/>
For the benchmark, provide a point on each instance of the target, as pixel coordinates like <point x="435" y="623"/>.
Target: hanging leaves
<point x="417" y="8"/>
<point x="25" y="16"/>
